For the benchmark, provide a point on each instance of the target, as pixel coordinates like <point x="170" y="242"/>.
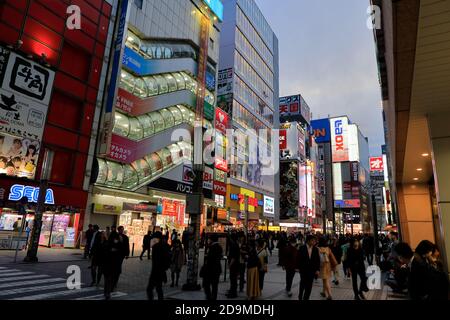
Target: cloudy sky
<point x="327" y="54"/>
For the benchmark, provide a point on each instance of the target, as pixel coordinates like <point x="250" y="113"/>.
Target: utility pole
<point x="246" y="215"/>
<point x="43" y="185"/>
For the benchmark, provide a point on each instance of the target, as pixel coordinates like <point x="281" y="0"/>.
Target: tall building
<point x="248" y="92"/>
<point x="162" y="80"/>
<point x="413" y="68"/>
<point x="350" y="177"/>
<point x="48" y="109"/>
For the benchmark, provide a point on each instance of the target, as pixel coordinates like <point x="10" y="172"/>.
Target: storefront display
<point x="60" y="224"/>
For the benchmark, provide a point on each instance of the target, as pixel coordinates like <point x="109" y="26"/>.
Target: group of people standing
<point x="107" y="251"/>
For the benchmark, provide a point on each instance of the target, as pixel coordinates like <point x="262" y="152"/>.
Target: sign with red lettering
<point x="221" y="121"/>
<point x="220" y="188"/>
<point x="376" y="164"/>
<point x="221" y="164"/>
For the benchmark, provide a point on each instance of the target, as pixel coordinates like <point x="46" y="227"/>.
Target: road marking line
<point x="31" y="282"/>
<point x="56" y="294"/>
<point x="31" y="289"/>
<point x="37" y="276"/>
<point x="12" y="274"/>
<point x="9" y="270"/>
<point x="102" y="296"/>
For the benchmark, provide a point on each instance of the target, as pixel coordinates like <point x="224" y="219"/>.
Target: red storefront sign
<point x="220" y="188"/>
<point x="283" y="139"/>
<point x="221" y="121"/>
<point x="170" y="208"/>
<point x="376" y="164"/>
<point x="221" y="164"/>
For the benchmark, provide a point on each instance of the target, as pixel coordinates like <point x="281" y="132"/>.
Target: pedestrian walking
<point x="344" y="247"/>
<point x="369" y="248"/>
<point x="160" y="264"/>
<point x="242" y="261"/>
<point x="112" y="262"/>
<point x="88" y="234"/>
<point x="177" y="262"/>
<point x="253" y="266"/>
<point x="337" y="252"/>
<point x="308" y="265"/>
<point x="212" y="268"/>
<point x="234" y="264"/>
<point x="328" y="264"/>
<point x="264" y="261"/>
<point x="355" y="261"/>
<point x="96" y="254"/>
<point x="124" y="253"/>
<point x="289" y="260"/>
<point x="146" y="245"/>
<point x="185" y="242"/>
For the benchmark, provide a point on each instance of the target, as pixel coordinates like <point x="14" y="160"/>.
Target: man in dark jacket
<point x="88" y="234"/>
<point x="95" y="254"/>
<point x="146" y="245"/>
<point x="369" y="248"/>
<point x="124" y="253"/>
<point x="289" y="260"/>
<point x="160" y="263"/>
<point x="233" y="262"/>
<point x="212" y="268"/>
<point x="309" y="266"/>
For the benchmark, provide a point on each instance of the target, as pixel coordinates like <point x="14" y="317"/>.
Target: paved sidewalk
<point x="44" y="255"/>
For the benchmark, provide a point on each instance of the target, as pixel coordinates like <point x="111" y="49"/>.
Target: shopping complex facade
<point x="413" y="58"/>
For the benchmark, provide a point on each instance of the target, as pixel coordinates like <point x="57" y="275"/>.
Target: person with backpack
<point x="160" y="264"/>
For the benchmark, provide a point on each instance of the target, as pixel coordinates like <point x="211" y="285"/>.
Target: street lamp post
<point x="40" y="208"/>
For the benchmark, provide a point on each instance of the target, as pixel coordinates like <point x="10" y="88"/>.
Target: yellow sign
<point x="248" y="193"/>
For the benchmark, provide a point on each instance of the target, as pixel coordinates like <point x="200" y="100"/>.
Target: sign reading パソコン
<point x="25" y="90"/>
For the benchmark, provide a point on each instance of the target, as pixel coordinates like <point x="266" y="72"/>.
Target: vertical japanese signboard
<point x="339" y="139"/>
<point x="25" y="91"/>
<point x="117" y="56"/>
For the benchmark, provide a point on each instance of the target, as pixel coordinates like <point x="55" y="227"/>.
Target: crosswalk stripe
<point x="31" y="282"/>
<point x="56" y="294"/>
<point x="1" y="268"/>
<point x="31" y="289"/>
<point x="102" y="296"/>
<point x="12" y="274"/>
<point x="8" y="270"/>
<point x="36" y="276"/>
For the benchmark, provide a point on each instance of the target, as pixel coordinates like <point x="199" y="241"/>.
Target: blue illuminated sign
<point x="216" y="7"/>
<point x="321" y="130"/>
<point x="19" y="191"/>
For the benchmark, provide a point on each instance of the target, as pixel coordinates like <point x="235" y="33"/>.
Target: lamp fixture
<point x="419" y="169"/>
<point x="425" y="154"/>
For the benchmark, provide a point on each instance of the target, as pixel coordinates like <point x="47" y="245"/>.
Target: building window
<point x="138" y="3"/>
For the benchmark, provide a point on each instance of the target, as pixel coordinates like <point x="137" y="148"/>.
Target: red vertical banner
<point x="202" y="65"/>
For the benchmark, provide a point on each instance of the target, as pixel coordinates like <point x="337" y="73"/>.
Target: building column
<point x="440" y="143"/>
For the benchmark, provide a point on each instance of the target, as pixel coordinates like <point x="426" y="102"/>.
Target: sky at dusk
<point x="327" y="54"/>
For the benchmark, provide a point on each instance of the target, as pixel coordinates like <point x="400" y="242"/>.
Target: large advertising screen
<point x="25" y="90"/>
<point x="292" y="141"/>
<point x="289" y="201"/>
<point x="339" y="139"/>
<point x="337" y="181"/>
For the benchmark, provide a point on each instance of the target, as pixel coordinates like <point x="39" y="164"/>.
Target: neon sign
<point x="19" y="191"/>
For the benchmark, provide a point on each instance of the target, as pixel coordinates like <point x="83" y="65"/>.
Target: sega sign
<point x="19" y="191"/>
<point x="339" y="139"/>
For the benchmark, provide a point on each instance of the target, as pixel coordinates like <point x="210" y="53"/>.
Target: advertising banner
<point x="321" y="130"/>
<point x="376" y="164"/>
<point x="220" y="176"/>
<point x="294" y="108"/>
<point x="269" y="206"/>
<point x="25" y="91"/>
<point x="339" y="139"/>
<point x="225" y="82"/>
<point x="302" y="186"/>
<point x="221" y="121"/>
<point x="208" y="175"/>
<point x="289" y="193"/>
<point x="292" y="141"/>
<point x="170" y="208"/>
<point x="337" y="181"/>
<point x="220" y="188"/>
<point x="352" y="203"/>
<point x="353" y="142"/>
<point x="139" y="207"/>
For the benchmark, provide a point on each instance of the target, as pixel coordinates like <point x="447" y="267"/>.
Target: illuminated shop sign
<point x="216" y="7"/>
<point x="269" y="205"/>
<point x="19" y="191"/>
<point x="376" y="164"/>
<point x="354" y="203"/>
<point x="321" y="130"/>
<point x="240" y="198"/>
<point x="339" y="139"/>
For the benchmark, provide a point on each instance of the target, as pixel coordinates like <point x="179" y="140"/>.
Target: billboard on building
<point x="321" y="130"/>
<point x="289" y="201"/>
<point x="339" y="139"/>
<point x="376" y="164"/>
<point x="353" y="143"/>
<point x="294" y="108"/>
<point x="337" y="182"/>
<point x="25" y="91"/>
<point x="292" y="141"/>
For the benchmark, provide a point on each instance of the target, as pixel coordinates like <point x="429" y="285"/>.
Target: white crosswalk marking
<point x="31" y="289"/>
<point x="37" y="276"/>
<point x="13" y="274"/>
<point x="102" y="297"/>
<point x="56" y="294"/>
<point x="31" y="282"/>
<point x="16" y="284"/>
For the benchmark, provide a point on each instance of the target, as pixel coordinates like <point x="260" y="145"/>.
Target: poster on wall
<point x="60" y="224"/>
<point x="25" y="90"/>
<point x="289" y="195"/>
<point x="339" y="139"/>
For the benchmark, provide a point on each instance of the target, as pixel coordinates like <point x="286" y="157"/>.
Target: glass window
<point x="166" y="158"/>
<point x="176" y="115"/>
<point x="121" y="124"/>
<point x="147" y="125"/>
<point x="171" y="82"/>
<point x="130" y="177"/>
<point x="155" y="163"/>
<point x="140" y="88"/>
<point x="175" y="152"/>
<point x="162" y="84"/>
<point x="158" y="121"/>
<point x="126" y="81"/>
<point x="133" y="41"/>
<point x="115" y="174"/>
<point x="169" y="120"/>
<point x="188" y="81"/>
<point x="136" y="130"/>
<point x="152" y="86"/>
<point x="142" y="168"/>
<point x="180" y="81"/>
<point x="102" y="171"/>
<point x="158" y="51"/>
